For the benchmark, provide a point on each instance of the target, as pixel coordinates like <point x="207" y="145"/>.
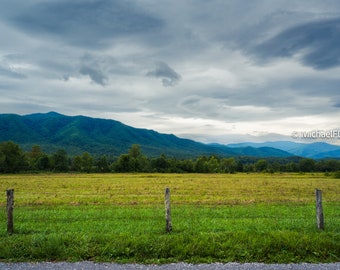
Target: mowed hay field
<point x="215" y="217"/>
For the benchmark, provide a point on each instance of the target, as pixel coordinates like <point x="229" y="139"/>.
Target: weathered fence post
<point x="319" y="210"/>
<point x="9" y="208"/>
<point x="168" y="227"/>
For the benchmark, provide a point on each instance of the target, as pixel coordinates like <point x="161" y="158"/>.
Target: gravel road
<point x="175" y="266"/>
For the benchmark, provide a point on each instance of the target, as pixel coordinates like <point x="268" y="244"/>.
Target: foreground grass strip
<point x="243" y="218"/>
<point x="244" y="233"/>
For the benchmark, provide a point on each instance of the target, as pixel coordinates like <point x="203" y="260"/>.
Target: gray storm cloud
<point x="317" y="42"/>
<point x="168" y="76"/>
<point x="229" y="61"/>
<point x="85" y="23"/>
<point x="96" y="75"/>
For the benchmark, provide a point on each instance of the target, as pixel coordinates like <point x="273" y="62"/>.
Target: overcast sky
<point x="210" y="70"/>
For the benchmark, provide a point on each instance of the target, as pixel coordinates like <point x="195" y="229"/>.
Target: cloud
<point x="255" y="64"/>
<point x="169" y="76"/>
<point x="85" y="23"/>
<point x="96" y="75"/>
<point x="11" y="67"/>
<point x="316" y="44"/>
<point x="11" y="73"/>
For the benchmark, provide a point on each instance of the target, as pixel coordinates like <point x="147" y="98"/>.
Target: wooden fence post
<point x="9" y="208"/>
<point x="319" y="210"/>
<point x="168" y="227"/>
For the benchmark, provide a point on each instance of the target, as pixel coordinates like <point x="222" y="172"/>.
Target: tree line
<point x="14" y="160"/>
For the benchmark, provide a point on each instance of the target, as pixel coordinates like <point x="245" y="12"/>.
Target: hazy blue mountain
<point x="77" y="134"/>
<point x="310" y="150"/>
<point x="327" y="154"/>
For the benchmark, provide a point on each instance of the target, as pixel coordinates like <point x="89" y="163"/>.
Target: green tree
<point x="137" y="161"/>
<point x="239" y="166"/>
<point x="261" y="165"/>
<point x="60" y="161"/>
<point x="249" y="167"/>
<point x="86" y="162"/>
<point x="307" y="165"/>
<point x="228" y="165"/>
<point x="42" y="163"/>
<point x="201" y="165"/>
<point x="275" y="167"/>
<point x="135" y="151"/>
<point x="186" y="165"/>
<point x="36" y="152"/>
<point x="12" y="158"/>
<point x="76" y="164"/>
<point x="102" y="164"/>
<point x="291" y="167"/>
<point x="213" y="165"/>
<point x="38" y="160"/>
<point x="328" y="165"/>
<point x="160" y="164"/>
<point x="123" y="164"/>
<point x="2" y="160"/>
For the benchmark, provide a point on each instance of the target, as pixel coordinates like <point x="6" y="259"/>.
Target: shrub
<point x="337" y="175"/>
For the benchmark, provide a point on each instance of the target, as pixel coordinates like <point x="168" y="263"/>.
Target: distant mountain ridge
<point x="78" y="134"/>
<point x="315" y="150"/>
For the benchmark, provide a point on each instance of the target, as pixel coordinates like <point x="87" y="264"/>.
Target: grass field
<point x="216" y="217"/>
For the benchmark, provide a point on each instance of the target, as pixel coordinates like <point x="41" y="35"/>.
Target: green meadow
<point x="216" y="218"/>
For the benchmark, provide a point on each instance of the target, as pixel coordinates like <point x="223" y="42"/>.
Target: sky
<point x="220" y="71"/>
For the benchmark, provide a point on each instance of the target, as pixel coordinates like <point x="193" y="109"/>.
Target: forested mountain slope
<point x="78" y="134"/>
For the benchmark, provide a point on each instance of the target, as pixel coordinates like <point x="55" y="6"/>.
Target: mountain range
<point x="317" y="150"/>
<point x="79" y="134"/>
